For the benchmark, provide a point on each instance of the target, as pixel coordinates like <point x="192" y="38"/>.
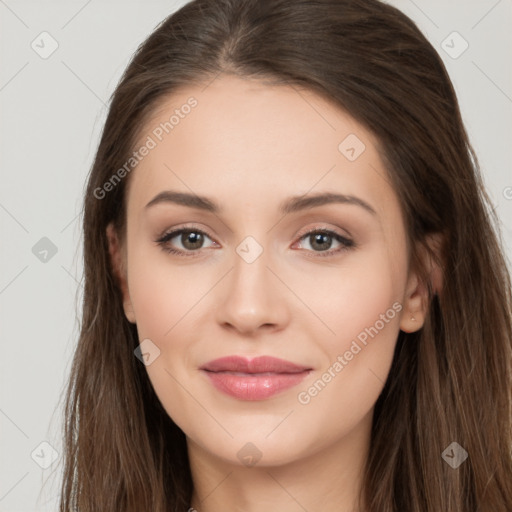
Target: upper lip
<point x="261" y="364"/>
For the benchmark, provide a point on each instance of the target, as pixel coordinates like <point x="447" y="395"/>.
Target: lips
<point x="253" y="379"/>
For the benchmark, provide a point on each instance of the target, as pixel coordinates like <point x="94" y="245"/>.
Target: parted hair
<point x="449" y="381"/>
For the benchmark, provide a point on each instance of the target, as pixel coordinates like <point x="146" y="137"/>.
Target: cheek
<point x="351" y="298"/>
<point x="363" y="308"/>
<point x="163" y="295"/>
<point x="166" y="299"/>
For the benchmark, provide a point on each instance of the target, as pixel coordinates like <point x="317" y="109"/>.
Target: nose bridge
<point x="251" y="296"/>
<point x="250" y="266"/>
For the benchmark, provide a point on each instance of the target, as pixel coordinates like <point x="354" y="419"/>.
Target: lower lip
<point x="254" y="386"/>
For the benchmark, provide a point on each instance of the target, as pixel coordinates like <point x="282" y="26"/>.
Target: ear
<point x="118" y="262"/>
<point x="417" y="294"/>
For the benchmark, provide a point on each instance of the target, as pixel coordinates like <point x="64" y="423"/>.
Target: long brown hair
<point x="450" y="381"/>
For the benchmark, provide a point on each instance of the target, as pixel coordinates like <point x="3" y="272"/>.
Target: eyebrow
<point x="291" y="205"/>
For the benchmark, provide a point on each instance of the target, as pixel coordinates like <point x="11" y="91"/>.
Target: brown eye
<point x="189" y="241"/>
<point x="321" y="240"/>
<point x="192" y="239"/>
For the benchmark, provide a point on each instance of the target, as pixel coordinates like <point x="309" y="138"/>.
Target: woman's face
<point x="250" y="169"/>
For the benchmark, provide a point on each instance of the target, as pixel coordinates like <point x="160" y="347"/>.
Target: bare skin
<point x="248" y="147"/>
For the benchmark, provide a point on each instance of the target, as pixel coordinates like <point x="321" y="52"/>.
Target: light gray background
<point x="52" y="112"/>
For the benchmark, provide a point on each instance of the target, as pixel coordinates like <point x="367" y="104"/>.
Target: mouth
<point x="254" y="379"/>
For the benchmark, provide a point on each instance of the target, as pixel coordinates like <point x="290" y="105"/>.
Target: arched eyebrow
<point x="304" y="202"/>
<point x="291" y="205"/>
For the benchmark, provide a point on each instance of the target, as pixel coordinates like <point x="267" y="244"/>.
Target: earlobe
<point x="415" y="305"/>
<point x="417" y="298"/>
<point x="128" y="311"/>
<point x="119" y="270"/>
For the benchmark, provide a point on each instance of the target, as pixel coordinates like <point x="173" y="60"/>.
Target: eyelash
<point x="166" y="237"/>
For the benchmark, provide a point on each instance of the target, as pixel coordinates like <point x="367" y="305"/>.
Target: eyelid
<point x="176" y="231"/>
<point x="320" y="228"/>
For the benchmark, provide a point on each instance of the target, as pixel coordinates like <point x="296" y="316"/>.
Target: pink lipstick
<point x="254" y="379"/>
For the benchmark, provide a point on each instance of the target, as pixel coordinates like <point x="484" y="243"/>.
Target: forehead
<point x="246" y="142"/>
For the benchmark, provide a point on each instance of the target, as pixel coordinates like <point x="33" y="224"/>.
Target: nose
<point x="252" y="298"/>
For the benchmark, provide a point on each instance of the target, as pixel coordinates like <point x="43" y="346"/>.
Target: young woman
<point x="295" y="297"/>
